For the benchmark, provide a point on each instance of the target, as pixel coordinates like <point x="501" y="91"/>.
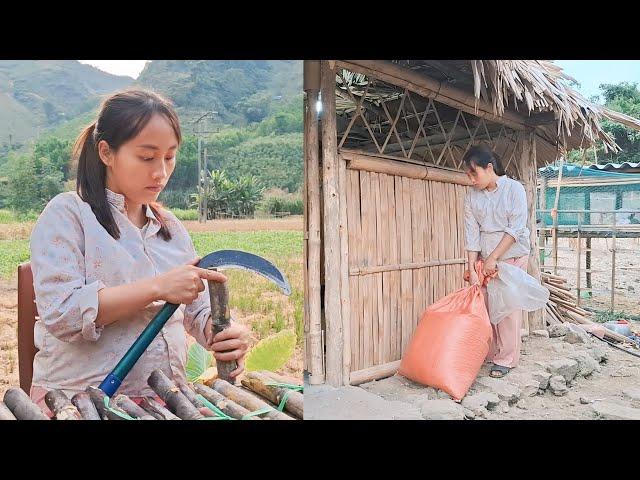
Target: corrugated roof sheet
<point x="621" y="167"/>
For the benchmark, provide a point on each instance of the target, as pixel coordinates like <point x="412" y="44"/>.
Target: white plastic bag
<point x="514" y="289"/>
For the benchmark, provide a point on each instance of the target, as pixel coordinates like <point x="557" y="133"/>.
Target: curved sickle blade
<point x="246" y="261"/>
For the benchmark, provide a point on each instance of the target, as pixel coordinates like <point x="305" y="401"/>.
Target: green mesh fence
<point x="598" y="230"/>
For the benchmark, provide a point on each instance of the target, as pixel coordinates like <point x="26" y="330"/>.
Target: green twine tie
<point x="112" y="410"/>
<point x="260" y="411"/>
<point x="290" y="389"/>
<point x="220" y="415"/>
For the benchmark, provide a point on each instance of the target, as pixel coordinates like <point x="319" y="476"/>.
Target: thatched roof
<point x="537" y="92"/>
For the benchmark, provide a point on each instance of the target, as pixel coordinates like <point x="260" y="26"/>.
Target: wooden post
<point x="305" y="238"/>
<point x="314" y="245"/>
<point x="542" y="242"/>
<point x="528" y="169"/>
<point x="555" y="218"/>
<point x="587" y="255"/>
<point x="579" y="263"/>
<point x="613" y="264"/>
<point x="587" y="266"/>
<point x="613" y="249"/>
<point x="345" y="301"/>
<point x="331" y="227"/>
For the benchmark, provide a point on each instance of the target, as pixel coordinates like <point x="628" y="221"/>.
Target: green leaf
<point x="271" y="353"/>
<point x="198" y="360"/>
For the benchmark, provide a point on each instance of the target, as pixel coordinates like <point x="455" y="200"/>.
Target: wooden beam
<point x="374" y="373"/>
<point x="439" y="139"/>
<point x="544" y="118"/>
<point x="528" y="170"/>
<point x="448" y="95"/>
<point x="430" y="88"/>
<point x="305" y="233"/>
<point x="405" y="266"/>
<point x="331" y="226"/>
<point x="345" y="296"/>
<point x="314" y="246"/>
<point x="356" y="161"/>
<point x="555" y="217"/>
<point x="311" y="75"/>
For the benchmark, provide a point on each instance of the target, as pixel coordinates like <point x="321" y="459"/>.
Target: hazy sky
<point x="132" y="68"/>
<point x="590" y="73"/>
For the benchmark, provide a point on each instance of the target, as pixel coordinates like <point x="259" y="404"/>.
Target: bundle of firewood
<point x="262" y="396"/>
<point x="563" y="307"/>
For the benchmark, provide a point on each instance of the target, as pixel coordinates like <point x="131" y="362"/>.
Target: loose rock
<point x="542" y="378"/>
<point x="480" y="400"/>
<point x="541" y="333"/>
<point x="504" y="390"/>
<point x="586" y="363"/>
<point x="565" y="367"/>
<point x="613" y="411"/>
<point x="562" y="348"/>
<point x="577" y="335"/>
<point x="558" y="330"/>
<point x="558" y="385"/>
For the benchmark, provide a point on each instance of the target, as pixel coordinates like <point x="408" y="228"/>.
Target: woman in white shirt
<point x="496" y="219"/>
<point x="107" y="257"/>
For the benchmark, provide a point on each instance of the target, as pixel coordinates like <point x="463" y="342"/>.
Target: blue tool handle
<point x="112" y="382"/>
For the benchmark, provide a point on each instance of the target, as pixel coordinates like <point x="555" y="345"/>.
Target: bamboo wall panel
<point x="405" y="251"/>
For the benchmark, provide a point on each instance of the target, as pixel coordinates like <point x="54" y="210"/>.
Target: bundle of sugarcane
<point x="263" y="396"/>
<point x="563" y="306"/>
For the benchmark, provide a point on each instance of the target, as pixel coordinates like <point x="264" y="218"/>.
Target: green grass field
<point x="9" y="216"/>
<point x="257" y="300"/>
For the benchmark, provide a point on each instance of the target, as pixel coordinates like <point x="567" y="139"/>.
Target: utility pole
<point x="206" y="185"/>
<point x="199" y="180"/>
<point x="203" y="177"/>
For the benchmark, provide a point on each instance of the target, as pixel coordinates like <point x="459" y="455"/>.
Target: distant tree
<point x="239" y="197"/>
<point x="625" y="98"/>
<point x="57" y="151"/>
<point x="32" y="182"/>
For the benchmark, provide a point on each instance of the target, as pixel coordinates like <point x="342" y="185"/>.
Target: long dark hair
<point x="481" y="156"/>
<point x="122" y="116"/>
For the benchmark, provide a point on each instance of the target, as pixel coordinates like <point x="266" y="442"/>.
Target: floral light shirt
<point x="72" y="258"/>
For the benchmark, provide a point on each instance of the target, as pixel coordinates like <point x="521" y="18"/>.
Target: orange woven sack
<point x="451" y="342"/>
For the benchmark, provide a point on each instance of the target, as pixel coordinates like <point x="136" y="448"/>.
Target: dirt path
<point x="605" y="384"/>
<point x="627" y="276"/>
<point x="8" y="336"/>
<point x="269" y="224"/>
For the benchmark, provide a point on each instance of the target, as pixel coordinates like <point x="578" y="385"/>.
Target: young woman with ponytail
<point x="496" y="219"/>
<point x="106" y="257"/>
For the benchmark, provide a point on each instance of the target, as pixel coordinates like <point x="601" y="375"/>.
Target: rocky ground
<point x="562" y="375"/>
